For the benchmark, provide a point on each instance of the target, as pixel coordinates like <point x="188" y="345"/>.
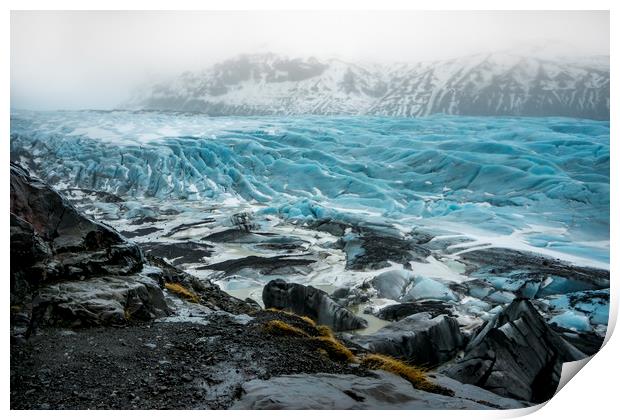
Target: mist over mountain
<point x="518" y="82"/>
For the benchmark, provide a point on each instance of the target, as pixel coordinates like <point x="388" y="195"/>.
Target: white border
<point x="310" y="5"/>
<point x="592" y="395"/>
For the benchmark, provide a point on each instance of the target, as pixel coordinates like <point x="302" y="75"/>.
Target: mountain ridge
<point x="490" y="84"/>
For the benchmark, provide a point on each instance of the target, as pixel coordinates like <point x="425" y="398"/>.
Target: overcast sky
<point x="92" y="59"/>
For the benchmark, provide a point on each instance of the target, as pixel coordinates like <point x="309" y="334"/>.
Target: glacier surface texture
<point x="531" y="183"/>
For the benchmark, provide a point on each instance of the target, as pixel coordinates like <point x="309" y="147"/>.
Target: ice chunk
<point x="572" y="320"/>
<point x="501" y="297"/>
<point x="426" y="288"/>
<point x="592" y="303"/>
<point x="392" y="284"/>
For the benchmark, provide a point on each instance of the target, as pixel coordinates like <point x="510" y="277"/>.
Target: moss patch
<point x="282" y="328"/>
<point x="306" y="319"/>
<point x="335" y="349"/>
<point x="322" y="337"/>
<point x="413" y="374"/>
<point x="325" y="331"/>
<point x="181" y="291"/>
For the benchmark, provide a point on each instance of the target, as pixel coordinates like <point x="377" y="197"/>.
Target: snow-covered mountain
<point x="502" y="83"/>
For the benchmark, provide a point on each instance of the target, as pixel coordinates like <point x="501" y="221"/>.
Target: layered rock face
<point x="383" y="391"/>
<point x="312" y="302"/>
<point x="420" y="338"/>
<point x="516" y="355"/>
<point x="68" y="269"/>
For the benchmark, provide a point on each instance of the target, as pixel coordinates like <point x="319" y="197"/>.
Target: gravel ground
<point x="161" y="365"/>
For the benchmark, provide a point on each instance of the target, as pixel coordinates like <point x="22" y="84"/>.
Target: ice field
<point x="467" y="184"/>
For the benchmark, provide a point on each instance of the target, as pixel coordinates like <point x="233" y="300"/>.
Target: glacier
<point x="530" y="183"/>
<point x="460" y="213"/>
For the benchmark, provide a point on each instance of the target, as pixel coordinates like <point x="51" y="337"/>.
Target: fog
<point x="94" y="59"/>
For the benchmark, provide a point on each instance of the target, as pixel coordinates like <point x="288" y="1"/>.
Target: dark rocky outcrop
<point x="80" y="246"/>
<point x="403" y="310"/>
<point x="372" y="251"/>
<point x="187" y="226"/>
<point x="27" y="250"/>
<point x="333" y="227"/>
<point x="209" y="294"/>
<point x="420" y="338"/>
<point x="67" y="269"/>
<point x="235" y="236"/>
<point x="311" y="302"/>
<point x="139" y="232"/>
<point x="587" y="342"/>
<point x="350" y="296"/>
<point x="261" y="240"/>
<point x="179" y="252"/>
<point x="530" y="268"/>
<point x="516" y="355"/>
<point x="264" y="265"/>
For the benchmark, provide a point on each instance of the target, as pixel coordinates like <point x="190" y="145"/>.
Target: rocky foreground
<point x="98" y="321"/>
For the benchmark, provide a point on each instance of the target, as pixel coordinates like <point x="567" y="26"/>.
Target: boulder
<point x="100" y="301"/>
<point x="392" y="284"/>
<point x="516" y="355"/>
<point x="419" y="338"/>
<point x="405" y="286"/>
<point x="311" y="302"/>
<point x="69" y="270"/>
<point x="427" y="288"/>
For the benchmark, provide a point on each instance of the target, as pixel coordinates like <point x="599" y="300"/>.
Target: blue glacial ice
<point x="572" y="320"/>
<point x="426" y="288"/>
<point x="594" y="304"/>
<point x="543" y="182"/>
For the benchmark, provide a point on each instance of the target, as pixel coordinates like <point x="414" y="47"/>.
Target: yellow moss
<point x="325" y="331"/>
<point x="182" y="291"/>
<point x="308" y="320"/>
<point x="278" y="327"/>
<point x="413" y="374"/>
<point x="335" y="349"/>
<point x="328" y="345"/>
